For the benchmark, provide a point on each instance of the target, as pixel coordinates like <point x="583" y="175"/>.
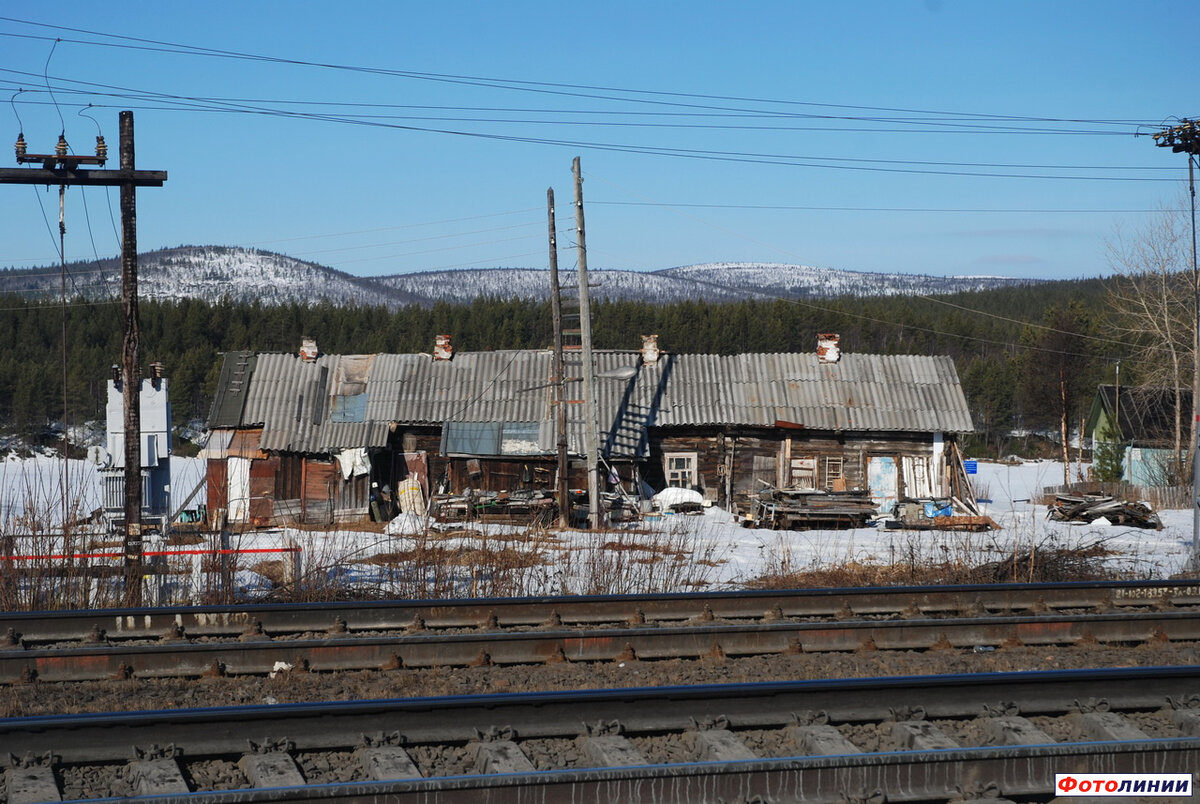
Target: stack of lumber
<point x="1092" y="507"/>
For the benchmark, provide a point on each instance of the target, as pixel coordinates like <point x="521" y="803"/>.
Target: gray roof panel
<point x="860" y="392"/>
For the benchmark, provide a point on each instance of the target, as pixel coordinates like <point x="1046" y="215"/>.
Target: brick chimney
<point x="829" y="348"/>
<point x="442" y="349"/>
<point x="650" y="351"/>
<point x="308" y="349"/>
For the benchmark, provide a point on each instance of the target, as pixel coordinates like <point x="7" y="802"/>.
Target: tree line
<point x="1016" y="377"/>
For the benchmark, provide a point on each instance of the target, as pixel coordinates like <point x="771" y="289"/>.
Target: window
<point x="804" y="473"/>
<point x="680" y="469"/>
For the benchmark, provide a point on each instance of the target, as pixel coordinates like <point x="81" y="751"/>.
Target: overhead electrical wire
<point x="956" y="122"/>
<point x="920" y="167"/>
<point x="541" y="87"/>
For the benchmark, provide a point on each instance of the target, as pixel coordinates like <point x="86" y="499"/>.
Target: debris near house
<point x="673" y="500"/>
<point x="806" y="509"/>
<point x="937" y="514"/>
<point x="1102" y="509"/>
<point x="615" y="507"/>
<point x="520" y="507"/>
<point x="526" y="507"/>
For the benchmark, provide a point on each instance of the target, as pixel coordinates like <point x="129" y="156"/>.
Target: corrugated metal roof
<point x="291" y="398"/>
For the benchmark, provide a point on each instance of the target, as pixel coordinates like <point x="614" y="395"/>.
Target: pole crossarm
<point x="1183" y="138"/>
<point x="86" y="178"/>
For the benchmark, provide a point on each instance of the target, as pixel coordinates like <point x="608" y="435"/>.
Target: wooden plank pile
<point x="1092" y="507"/>
<point x="930" y="514"/>
<point x="802" y="509"/>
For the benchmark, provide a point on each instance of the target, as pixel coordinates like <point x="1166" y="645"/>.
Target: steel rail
<point x="179" y="658"/>
<point x="1095" y="699"/>
<point x="44" y="627"/>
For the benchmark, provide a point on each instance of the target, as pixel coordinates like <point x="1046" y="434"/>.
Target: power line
<point x="540" y="87"/>
<point x="923" y="210"/>
<point x="917" y="167"/>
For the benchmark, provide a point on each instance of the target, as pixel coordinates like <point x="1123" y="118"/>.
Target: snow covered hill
<point x="214" y="273"/>
<point x="806" y="281"/>
<point x="211" y="273"/>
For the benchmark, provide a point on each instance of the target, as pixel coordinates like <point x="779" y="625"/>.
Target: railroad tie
<point x="154" y="777"/>
<point x="387" y="762"/>
<point x="1015" y="730"/>
<point x="821" y="740"/>
<point x="272" y="769"/>
<point x="1106" y="726"/>
<point x="921" y="735"/>
<point x="495" y="751"/>
<point x="28" y="783"/>
<point x="712" y="741"/>
<point x="1188" y="721"/>
<point x="609" y="751"/>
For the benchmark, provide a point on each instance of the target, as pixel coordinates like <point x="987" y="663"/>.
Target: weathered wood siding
<point x="732" y="462"/>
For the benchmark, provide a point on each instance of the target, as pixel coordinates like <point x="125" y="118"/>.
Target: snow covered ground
<point x="666" y="553"/>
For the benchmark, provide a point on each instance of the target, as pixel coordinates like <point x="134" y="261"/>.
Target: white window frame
<point x="690" y="472"/>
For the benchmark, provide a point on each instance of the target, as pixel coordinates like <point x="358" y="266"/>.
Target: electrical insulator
<point x="101" y="149"/>
<point x="60" y="150"/>
<point x="20" y="147"/>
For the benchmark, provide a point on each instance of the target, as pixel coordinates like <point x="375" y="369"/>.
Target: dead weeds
<point x="1085" y="563"/>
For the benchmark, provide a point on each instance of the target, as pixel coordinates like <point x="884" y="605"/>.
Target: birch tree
<point x="1152" y="303"/>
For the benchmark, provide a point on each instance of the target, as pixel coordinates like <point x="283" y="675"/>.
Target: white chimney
<point x="650" y="351"/>
<point x="828" y="347"/>
<point x="442" y="349"/>
<point x="308" y="349"/>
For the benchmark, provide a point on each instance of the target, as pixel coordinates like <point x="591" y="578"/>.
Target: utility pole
<point x="560" y="381"/>
<point x="591" y="427"/>
<point x="64" y="169"/>
<point x="1185" y="138"/>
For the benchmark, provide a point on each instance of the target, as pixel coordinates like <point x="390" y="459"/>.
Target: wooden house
<point x="1143" y="423"/>
<point x="313" y="438"/>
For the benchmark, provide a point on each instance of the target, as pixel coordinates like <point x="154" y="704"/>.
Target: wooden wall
<point x="733" y="461"/>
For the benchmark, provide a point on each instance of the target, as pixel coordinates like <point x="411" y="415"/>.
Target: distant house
<point x="307" y="437"/>
<point x="1140" y="421"/>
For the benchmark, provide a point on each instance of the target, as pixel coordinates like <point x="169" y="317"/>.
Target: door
<point x="239" y="489"/>
<point x="881" y="480"/>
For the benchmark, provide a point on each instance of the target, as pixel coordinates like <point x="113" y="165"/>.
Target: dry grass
<point x="1029" y="564"/>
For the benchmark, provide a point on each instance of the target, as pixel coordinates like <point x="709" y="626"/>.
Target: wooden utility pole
<point x="560" y="381"/>
<point x="591" y="428"/>
<point x="64" y="169"/>
<point x="131" y="384"/>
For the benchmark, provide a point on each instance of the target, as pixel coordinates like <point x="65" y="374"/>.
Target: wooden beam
<point x="86" y="178"/>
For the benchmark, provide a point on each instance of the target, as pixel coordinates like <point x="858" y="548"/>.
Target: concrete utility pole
<point x="64" y="169"/>
<point x="1185" y="138"/>
<point x="591" y="427"/>
<point x="560" y="381"/>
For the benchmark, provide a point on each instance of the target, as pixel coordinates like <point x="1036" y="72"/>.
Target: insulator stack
<point x="21" y="147"/>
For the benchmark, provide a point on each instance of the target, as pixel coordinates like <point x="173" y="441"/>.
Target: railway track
<point x="918" y="739"/>
<point x="192" y="642"/>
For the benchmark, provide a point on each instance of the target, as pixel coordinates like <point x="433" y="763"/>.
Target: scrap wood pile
<point x="800" y="509"/>
<point x="532" y="507"/>
<point x="937" y="514"/>
<point x="1101" y="508"/>
<point x="524" y="506"/>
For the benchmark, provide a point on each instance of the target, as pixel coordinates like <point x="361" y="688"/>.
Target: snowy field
<point x="667" y="552"/>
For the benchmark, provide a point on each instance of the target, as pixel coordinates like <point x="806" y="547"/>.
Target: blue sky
<point x="848" y="135"/>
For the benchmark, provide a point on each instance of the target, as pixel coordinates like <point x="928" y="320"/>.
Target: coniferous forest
<point x="1002" y="362"/>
